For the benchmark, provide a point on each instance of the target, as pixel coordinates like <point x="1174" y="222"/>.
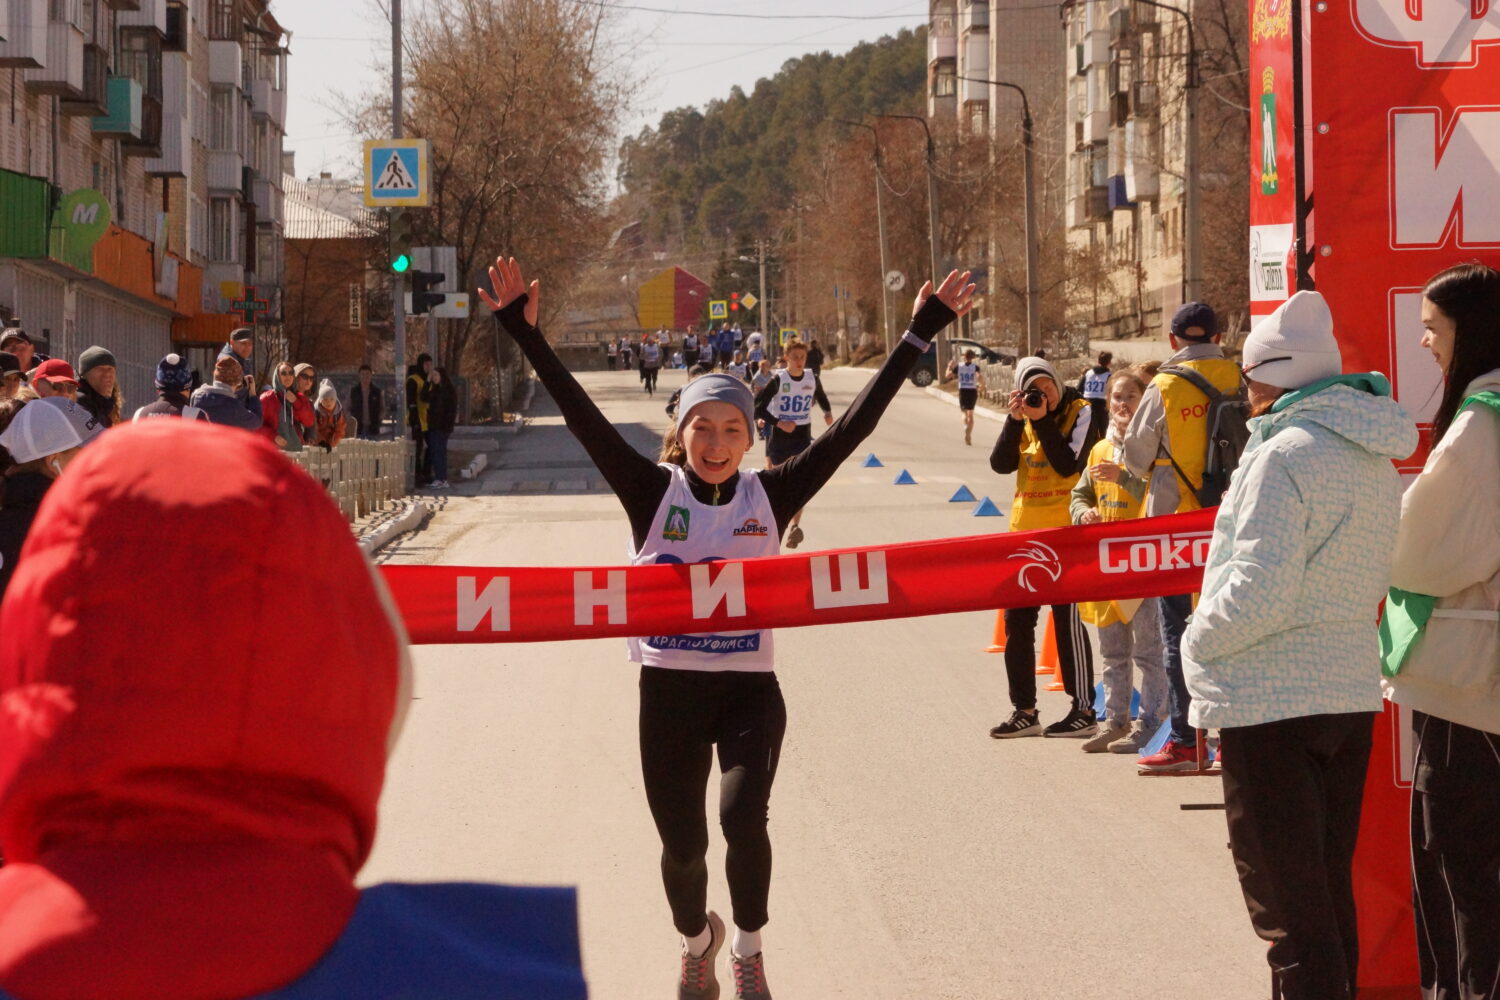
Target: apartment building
<point x="1127" y="65"/>
<point x="974" y="47"/>
<point x="140" y="175"/>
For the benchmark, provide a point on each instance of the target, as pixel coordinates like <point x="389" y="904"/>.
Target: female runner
<point x="702" y="691"/>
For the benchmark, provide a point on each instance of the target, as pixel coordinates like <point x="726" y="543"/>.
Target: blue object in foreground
<point x="905" y="479"/>
<point x="871" y="462"/>
<point x="964" y="495"/>
<point x="987" y="508"/>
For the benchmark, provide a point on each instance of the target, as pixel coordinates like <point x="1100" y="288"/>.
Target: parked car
<point x="925" y="373"/>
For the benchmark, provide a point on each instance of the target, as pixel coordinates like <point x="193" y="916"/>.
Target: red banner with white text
<point x="1125" y="559"/>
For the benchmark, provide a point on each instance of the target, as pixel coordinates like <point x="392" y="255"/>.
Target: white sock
<point x="746" y="943"/>
<point x="697" y="945"/>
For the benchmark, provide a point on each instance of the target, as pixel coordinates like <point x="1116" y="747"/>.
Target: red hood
<point x="198" y="678"/>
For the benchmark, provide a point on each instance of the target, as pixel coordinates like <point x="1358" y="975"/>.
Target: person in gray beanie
<point x="1282" y="654"/>
<point x="694" y="505"/>
<point x="99" y="390"/>
<point x="173" y="380"/>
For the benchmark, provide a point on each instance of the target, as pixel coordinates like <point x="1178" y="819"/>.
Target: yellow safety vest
<point x="420" y="383"/>
<point x="1042" y="494"/>
<point x="1115" y="504"/>
<point x="1186" y="423"/>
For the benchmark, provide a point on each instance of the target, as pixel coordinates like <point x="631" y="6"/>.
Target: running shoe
<point x="1074" y="725"/>
<point x="750" y="977"/>
<point x="1135" y="740"/>
<point x="968" y="435"/>
<point x="794" y="537"/>
<point x="1107" y="734"/>
<point x="1019" y="724"/>
<point x="698" y="981"/>
<point x="1172" y="757"/>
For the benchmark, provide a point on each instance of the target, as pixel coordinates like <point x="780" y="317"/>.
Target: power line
<point x="607" y="5"/>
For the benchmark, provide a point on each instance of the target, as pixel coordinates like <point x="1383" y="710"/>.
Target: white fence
<point x="362" y="476"/>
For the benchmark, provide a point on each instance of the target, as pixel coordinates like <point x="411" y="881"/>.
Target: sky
<point x="685" y="58"/>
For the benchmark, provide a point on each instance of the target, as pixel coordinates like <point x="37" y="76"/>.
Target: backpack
<point x="1228" y="431"/>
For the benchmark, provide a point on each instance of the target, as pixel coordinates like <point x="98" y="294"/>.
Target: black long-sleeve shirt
<point x="767" y="396"/>
<point x="1068" y="456"/>
<point x="641" y="483"/>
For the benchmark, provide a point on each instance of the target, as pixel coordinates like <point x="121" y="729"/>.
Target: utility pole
<point x="769" y="335"/>
<point x="1033" y="289"/>
<point x="932" y="218"/>
<point x="1192" y="219"/>
<point x="398" y="304"/>
<point x="885" y="293"/>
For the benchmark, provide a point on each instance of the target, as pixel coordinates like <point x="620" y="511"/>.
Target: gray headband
<point x="716" y="387"/>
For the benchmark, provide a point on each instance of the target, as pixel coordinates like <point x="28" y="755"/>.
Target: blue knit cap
<point x="173" y="373"/>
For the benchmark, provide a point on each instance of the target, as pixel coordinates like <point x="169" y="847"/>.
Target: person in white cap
<point x="1445" y="666"/>
<point x="707" y="692"/>
<point x="1282" y="653"/>
<point x="40" y="441"/>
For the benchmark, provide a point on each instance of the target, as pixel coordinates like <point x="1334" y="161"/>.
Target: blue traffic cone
<point x="905" y="479"/>
<point x="987" y="508"/>
<point x="962" y="496"/>
<point x="871" y="462"/>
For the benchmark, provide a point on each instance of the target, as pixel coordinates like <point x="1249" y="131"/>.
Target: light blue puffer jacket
<point x="1300" y="560"/>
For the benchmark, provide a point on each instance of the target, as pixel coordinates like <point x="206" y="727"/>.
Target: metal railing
<point x="362" y="476"/>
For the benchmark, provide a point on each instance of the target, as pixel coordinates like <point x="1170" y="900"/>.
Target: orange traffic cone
<point x="1049" y="656"/>
<point x="997" y="644"/>
<point x="1046" y="663"/>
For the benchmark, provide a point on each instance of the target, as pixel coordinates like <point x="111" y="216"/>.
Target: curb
<point x="475" y="467"/>
<point x="416" y="512"/>
<point x="980" y="410"/>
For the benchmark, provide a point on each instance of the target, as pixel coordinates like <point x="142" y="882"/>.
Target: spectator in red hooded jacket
<point x="182" y="826"/>
<point x="284" y="411"/>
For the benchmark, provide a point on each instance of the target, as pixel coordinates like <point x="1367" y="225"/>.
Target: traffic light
<point x="734" y="302"/>
<point x="422" y="299"/>
<point x="398" y="240"/>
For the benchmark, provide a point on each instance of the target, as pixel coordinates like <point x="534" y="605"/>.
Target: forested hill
<point x="704" y="178"/>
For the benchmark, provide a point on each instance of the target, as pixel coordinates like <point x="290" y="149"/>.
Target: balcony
<point x="26" y="45"/>
<point x="94" y="100"/>
<point x="1091" y="127"/>
<point x="147" y="14"/>
<point x="62" y="72"/>
<point x="177" y="138"/>
<point x="149" y="143"/>
<point x="226" y="64"/>
<point x="123" y="4"/>
<point x="942" y="47"/>
<point x="268" y="202"/>
<point x="1091" y="206"/>
<point x="122" y="117"/>
<point x="1142" y="161"/>
<point x="226" y="170"/>
<point x="260" y="97"/>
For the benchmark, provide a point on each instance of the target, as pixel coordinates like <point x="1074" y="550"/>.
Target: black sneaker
<point x="794" y="536"/>
<point x="1074" y="725"/>
<point x="1019" y="724"/>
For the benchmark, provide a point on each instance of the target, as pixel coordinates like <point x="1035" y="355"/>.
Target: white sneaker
<point x="1135" y="740"/>
<point x="1107" y="735"/>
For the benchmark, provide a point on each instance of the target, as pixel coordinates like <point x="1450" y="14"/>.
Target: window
<point x="221" y="230"/>
<point x="198" y="228"/>
<point x="140" y="59"/>
<point x="945" y="80"/>
<point x="224" y="118"/>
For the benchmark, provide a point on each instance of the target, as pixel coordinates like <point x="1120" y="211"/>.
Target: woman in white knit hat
<point x="1445" y="665"/>
<point x="1282" y="653"/>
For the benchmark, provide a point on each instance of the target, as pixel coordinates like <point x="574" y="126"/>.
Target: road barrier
<point x="362" y="476"/>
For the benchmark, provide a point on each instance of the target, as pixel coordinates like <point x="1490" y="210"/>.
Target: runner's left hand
<point x="508" y="285"/>
<point x="955" y="292"/>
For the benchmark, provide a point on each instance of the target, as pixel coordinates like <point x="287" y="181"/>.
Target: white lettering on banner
<point x="849" y="594"/>
<point x="709" y="592"/>
<point x="1445" y="33"/>
<point x="1437" y="177"/>
<point x="1149" y="553"/>
<point x="587" y="597"/>
<point x="493" y="603"/>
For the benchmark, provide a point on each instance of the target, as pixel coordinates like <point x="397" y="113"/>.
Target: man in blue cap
<point x="1166" y="445"/>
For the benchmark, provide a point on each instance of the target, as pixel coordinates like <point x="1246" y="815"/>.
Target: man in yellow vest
<point x="1045" y="442"/>
<point x="1172" y="426"/>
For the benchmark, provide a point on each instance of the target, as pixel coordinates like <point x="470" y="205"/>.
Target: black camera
<point x="1034" y="398"/>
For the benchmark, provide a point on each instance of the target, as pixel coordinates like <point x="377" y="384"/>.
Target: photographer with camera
<point x="1046" y="442"/>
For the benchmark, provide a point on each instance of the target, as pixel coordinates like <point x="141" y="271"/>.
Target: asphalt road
<point x="915" y="856"/>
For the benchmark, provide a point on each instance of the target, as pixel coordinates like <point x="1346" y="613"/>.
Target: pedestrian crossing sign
<point x="397" y="172"/>
<point x="718" y="309"/>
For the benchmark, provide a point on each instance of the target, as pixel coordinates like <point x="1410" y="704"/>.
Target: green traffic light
<point x="401" y="264"/>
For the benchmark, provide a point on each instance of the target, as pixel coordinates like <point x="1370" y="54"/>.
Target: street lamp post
<point x="885" y="293"/>
<point x="1192" y="219"/>
<point x="932" y="210"/>
<point x="1033" y="290"/>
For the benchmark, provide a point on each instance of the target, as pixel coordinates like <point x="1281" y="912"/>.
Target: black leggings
<point x="684" y="713"/>
<point x="648" y="375"/>
<point x="1075" y="656"/>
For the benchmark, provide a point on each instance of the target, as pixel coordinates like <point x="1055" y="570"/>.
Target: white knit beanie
<point x="1294" y="346"/>
<point x="1029" y="369"/>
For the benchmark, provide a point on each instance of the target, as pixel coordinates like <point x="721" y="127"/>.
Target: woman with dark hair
<point x="1442" y="648"/>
